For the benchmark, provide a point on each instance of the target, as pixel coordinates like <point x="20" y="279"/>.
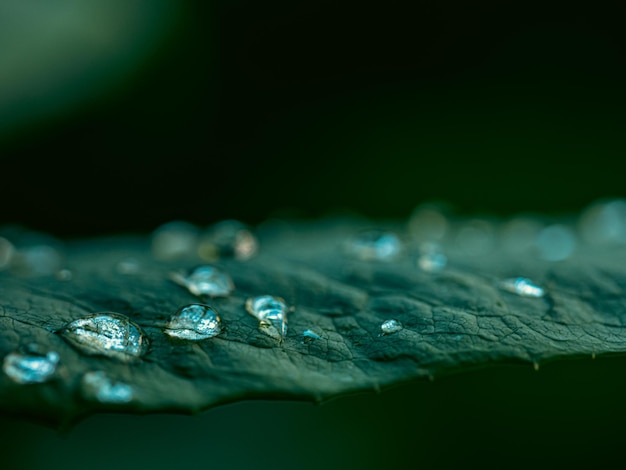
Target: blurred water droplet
<point x="205" y="281"/>
<point x="194" y="322"/>
<point x="128" y="266"/>
<point x="428" y="224"/>
<point x="30" y="366"/>
<point x="270" y="311"/>
<point x="390" y="326"/>
<point x="555" y="243"/>
<point x="377" y="245"/>
<point x="431" y="259"/>
<point x="96" y="386"/>
<point x="229" y="238"/>
<point x="37" y="260"/>
<point x="107" y="334"/>
<point x="604" y="222"/>
<point x="64" y="275"/>
<point x="174" y="240"/>
<point x="518" y="235"/>
<point x="476" y="238"/>
<point x="309" y="335"/>
<point x="7" y="251"/>
<point x="522" y="286"/>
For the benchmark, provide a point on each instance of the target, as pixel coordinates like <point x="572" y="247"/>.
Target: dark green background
<point x="251" y="109"/>
<point x="244" y="109"/>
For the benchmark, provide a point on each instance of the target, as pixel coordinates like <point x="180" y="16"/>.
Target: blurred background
<point x="119" y="116"/>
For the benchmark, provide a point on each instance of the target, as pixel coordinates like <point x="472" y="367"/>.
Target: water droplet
<point x="309" y="335"/>
<point x="128" y="266"/>
<point x="427" y="223"/>
<point x="7" y="251"/>
<point x="174" y="240"/>
<point x="229" y="238"/>
<point x="64" y="275"/>
<point x="522" y="286"/>
<point x="556" y="243"/>
<point x="31" y="366"/>
<point x="107" y="334"/>
<point x="194" y="322"/>
<point x="270" y="311"/>
<point x="375" y="245"/>
<point x="37" y="260"/>
<point x="390" y="326"/>
<point x="431" y="259"/>
<point x="205" y="281"/>
<point x="96" y="386"/>
<point x="604" y="222"/>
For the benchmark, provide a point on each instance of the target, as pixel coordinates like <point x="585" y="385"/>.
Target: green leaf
<point x="453" y="320"/>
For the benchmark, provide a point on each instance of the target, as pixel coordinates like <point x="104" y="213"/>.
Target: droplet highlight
<point x="390" y="326"/>
<point x="31" y="366"/>
<point x="522" y="286"/>
<point x="194" y="322"/>
<point x="270" y="311"/>
<point x="229" y="238"/>
<point x="97" y="386"/>
<point x="205" y="281"/>
<point x="107" y="334"/>
<point x="375" y="245"/>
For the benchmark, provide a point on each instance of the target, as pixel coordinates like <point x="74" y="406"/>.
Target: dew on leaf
<point x="97" y="386"/>
<point x="194" y="322"/>
<point x="309" y="335"/>
<point x="107" y="334"/>
<point x="556" y="242"/>
<point x="30" y="366"/>
<point x="174" y="240"/>
<point x="390" y="326"/>
<point x="229" y="238"/>
<point x="375" y="245"/>
<point x="271" y="311"/>
<point x="205" y="281"/>
<point x="522" y="286"/>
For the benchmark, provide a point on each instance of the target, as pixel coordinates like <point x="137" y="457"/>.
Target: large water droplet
<point x="96" y="386"/>
<point x="522" y="286"/>
<point x="390" y="326"/>
<point x="107" y="334"/>
<point x="174" y="240"/>
<point x="205" y="281"/>
<point x="194" y="322"/>
<point x="556" y="243"/>
<point x="30" y="366"/>
<point x="376" y="244"/>
<point x="270" y="311"/>
<point x="229" y="238"/>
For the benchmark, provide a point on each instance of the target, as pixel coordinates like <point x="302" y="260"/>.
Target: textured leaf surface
<point x="455" y="319"/>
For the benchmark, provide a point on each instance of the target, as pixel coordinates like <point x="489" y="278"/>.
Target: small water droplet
<point x="194" y="322"/>
<point x="229" y="238"/>
<point x="128" y="266"/>
<point x="522" y="286"/>
<point x="30" y="366"/>
<point x="174" y="240"/>
<point x="96" y="386"/>
<point x="64" y="275"/>
<point x="107" y="334"/>
<point x="373" y="245"/>
<point x="37" y="260"/>
<point x="309" y="335"/>
<point x="205" y="281"/>
<point x="390" y="326"/>
<point x="7" y="251"/>
<point x="604" y="222"/>
<point x="270" y="311"/>
<point x="431" y="259"/>
<point x="556" y="243"/>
